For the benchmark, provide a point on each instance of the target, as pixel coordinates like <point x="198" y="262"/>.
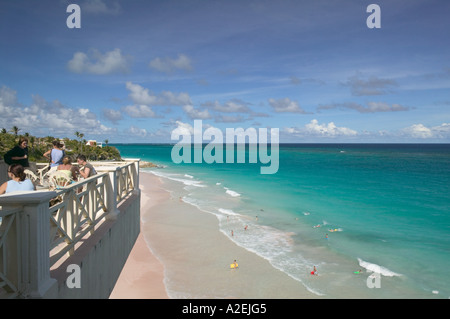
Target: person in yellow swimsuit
<point x="68" y="168"/>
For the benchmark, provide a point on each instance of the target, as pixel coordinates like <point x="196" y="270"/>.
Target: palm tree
<point x="80" y="137"/>
<point x="15" y="130"/>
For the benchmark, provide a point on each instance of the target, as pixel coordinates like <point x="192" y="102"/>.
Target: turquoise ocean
<point x="380" y="208"/>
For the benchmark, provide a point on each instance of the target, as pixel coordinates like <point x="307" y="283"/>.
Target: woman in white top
<point x="18" y="181"/>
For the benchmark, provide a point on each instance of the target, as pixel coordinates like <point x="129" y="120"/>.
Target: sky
<point x="136" y="70"/>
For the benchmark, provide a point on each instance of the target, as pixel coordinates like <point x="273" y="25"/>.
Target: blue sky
<point x="136" y="70"/>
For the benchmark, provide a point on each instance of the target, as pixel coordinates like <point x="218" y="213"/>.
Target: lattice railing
<point x="77" y="210"/>
<point x="73" y="213"/>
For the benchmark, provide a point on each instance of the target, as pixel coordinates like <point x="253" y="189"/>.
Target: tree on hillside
<point x="80" y="137"/>
<point x="15" y="130"/>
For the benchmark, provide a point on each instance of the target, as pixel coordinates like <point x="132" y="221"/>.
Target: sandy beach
<point x="181" y="253"/>
<point x="143" y="274"/>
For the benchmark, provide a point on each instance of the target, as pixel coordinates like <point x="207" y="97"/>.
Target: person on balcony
<point x="18" y="181"/>
<point x="18" y="154"/>
<point x="55" y="155"/>
<point x="86" y="169"/>
<point x="67" y="168"/>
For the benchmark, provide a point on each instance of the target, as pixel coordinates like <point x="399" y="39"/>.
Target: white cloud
<point x="183" y="129"/>
<point x="142" y="96"/>
<point x="194" y="113"/>
<point x="286" y="106"/>
<point x="169" y="65"/>
<point x="98" y="63"/>
<point x="139" y="111"/>
<point x="314" y="129"/>
<point x="112" y="115"/>
<point x="8" y="101"/>
<point x="43" y="118"/>
<point x="329" y="129"/>
<point x="420" y="131"/>
<point x="136" y="131"/>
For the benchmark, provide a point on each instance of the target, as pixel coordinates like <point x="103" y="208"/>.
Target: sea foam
<point x="187" y="182"/>
<point x="232" y="193"/>
<point x="377" y="269"/>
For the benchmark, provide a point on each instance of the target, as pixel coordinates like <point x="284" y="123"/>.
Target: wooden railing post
<point x="35" y="242"/>
<point x="111" y="195"/>
<point x="135" y="171"/>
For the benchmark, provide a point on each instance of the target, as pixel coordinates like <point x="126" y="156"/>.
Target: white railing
<point x="9" y="252"/>
<point x="74" y="213"/>
<point x="77" y="209"/>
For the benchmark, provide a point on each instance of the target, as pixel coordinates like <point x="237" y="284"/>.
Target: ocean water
<point x="380" y="208"/>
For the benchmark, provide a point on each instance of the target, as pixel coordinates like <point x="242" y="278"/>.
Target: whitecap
<point x="228" y="212"/>
<point x="232" y="193"/>
<point x="377" y="269"/>
<point x="186" y="182"/>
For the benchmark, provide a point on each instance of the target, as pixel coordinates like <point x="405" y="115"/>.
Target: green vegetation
<point x="37" y="146"/>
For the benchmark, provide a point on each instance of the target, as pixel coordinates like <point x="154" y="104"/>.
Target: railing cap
<point x="25" y="198"/>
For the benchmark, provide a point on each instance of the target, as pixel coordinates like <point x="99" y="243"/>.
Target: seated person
<point x="86" y="169"/>
<point x="18" y="181"/>
<point x="68" y="168"/>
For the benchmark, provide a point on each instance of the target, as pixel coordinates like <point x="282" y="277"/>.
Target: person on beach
<point x="314" y="272"/>
<point x="18" y="181"/>
<point x="18" y="154"/>
<point x="235" y="265"/>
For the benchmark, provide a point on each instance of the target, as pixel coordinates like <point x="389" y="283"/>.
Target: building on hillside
<point x="94" y="143"/>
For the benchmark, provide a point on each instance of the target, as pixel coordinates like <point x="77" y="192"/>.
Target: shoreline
<point x="143" y="274"/>
<point x="181" y="253"/>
